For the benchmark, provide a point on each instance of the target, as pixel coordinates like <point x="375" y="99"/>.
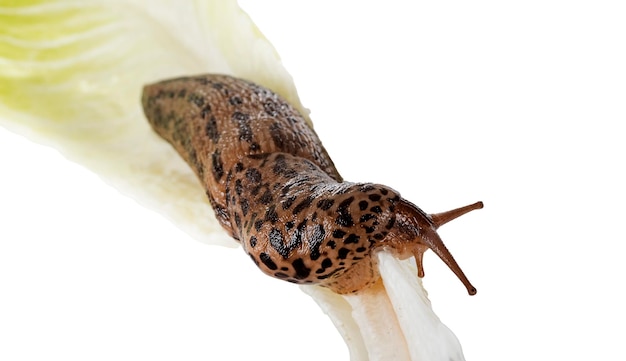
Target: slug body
<point x="274" y="188"/>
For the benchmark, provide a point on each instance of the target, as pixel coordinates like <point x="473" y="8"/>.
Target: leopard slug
<point x="274" y="188"/>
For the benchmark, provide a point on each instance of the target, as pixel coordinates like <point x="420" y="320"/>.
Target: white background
<point x="518" y="104"/>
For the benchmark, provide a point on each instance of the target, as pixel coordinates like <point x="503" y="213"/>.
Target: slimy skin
<point x="274" y="188"/>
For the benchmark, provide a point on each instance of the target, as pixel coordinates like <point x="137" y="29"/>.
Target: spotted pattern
<point x="299" y="228"/>
<point x="272" y="185"/>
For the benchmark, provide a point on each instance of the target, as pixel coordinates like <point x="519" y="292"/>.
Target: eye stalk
<point x="423" y="227"/>
<point x="439" y="219"/>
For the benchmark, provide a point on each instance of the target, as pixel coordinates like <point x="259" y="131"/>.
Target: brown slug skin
<point x="274" y="188"/>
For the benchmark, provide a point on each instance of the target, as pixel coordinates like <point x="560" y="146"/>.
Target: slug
<point x="274" y="188"/>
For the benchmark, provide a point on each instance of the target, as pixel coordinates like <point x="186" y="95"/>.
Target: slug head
<point x="417" y="232"/>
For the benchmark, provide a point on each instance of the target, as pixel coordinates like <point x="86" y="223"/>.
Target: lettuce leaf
<point x="71" y="74"/>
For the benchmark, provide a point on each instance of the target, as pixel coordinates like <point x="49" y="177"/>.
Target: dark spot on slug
<point x="238" y="221"/>
<point x="266" y="198"/>
<point x="277" y="135"/>
<point x="235" y="100"/>
<point x="253" y="175"/>
<point x="245" y="206"/>
<point x="267" y="261"/>
<point x="335" y="271"/>
<point x="302" y="205"/>
<point x="276" y="240"/>
<point x="271" y="215"/>
<point x="211" y="131"/>
<point x="288" y="202"/>
<point x="258" y="224"/>
<point x="285" y="189"/>
<point x="302" y="271"/>
<point x="366" y="217"/>
<point x="338" y="233"/>
<point x="325" y="204"/>
<point x="270" y="108"/>
<point x="352" y="238"/>
<point x="374" y="197"/>
<point x="316" y="241"/>
<point x="343" y="253"/>
<point x="218" y="167"/>
<point x="345" y="203"/>
<point x="278" y="243"/>
<point x="196" y="99"/>
<point x="363" y="205"/>
<point x="344" y="219"/>
<point x="205" y="112"/>
<point x="243" y="122"/>
<point x="279" y="165"/>
<point x="238" y="187"/>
